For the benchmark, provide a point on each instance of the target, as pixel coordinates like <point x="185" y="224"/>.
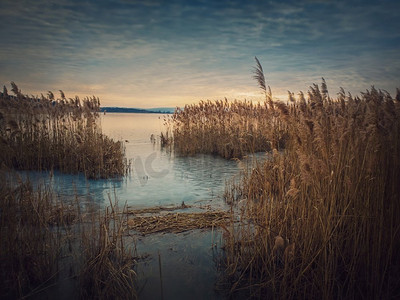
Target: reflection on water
<point x="187" y="266"/>
<point x="159" y="178"/>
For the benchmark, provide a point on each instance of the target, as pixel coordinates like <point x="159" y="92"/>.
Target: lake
<point x="159" y="177"/>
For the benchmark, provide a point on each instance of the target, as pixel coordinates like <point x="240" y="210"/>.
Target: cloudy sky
<point x="138" y="53"/>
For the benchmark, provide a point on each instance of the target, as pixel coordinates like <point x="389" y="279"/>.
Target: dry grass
<point x="108" y="263"/>
<point x="177" y="222"/>
<point x="228" y="129"/>
<point x="46" y="241"/>
<point x="320" y="218"/>
<point x="30" y="246"/>
<point x="61" y="134"/>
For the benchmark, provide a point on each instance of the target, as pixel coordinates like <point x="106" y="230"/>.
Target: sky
<point x="169" y="53"/>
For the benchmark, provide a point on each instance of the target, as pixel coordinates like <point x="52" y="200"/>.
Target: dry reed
<point x="46" y="241"/>
<point x="177" y="222"/>
<point x="224" y="128"/>
<point x="31" y="246"/>
<point x="319" y="219"/>
<point x="45" y="133"/>
<point x="230" y="129"/>
<point x="108" y="263"/>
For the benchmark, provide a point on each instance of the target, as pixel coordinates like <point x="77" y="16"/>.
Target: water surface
<point x="159" y="177"/>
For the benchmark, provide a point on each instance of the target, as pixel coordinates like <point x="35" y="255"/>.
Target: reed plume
<point x="47" y="133"/>
<point x="333" y="193"/>
<point x="260" y="78"/>
<point x="230" y="129"/>
<point x="318" y="219"/>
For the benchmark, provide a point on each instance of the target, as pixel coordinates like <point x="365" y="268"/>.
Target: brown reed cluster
<point x="108" y="260"/>
<point x="48" y="242"/>
<point x="29" y="248"/>
<point x="230" y="129"/>
<point x="320" y="219"/>
<point x="49" y="133"/>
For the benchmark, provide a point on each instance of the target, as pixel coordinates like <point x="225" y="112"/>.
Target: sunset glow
<point x="156" y="53"/>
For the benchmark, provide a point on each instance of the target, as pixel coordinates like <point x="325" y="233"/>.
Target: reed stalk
<point x="47" y="241"/>
<point x="224" y="128"/>
<point x="45" y="133"/>
<point x="319" y="218"/>
<point x="331" y="199"/>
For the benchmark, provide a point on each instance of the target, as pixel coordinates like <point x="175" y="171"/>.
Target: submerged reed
<point x="47" y="241"/>
<point x="108" y="263"/>
<point x="30" y="247"/>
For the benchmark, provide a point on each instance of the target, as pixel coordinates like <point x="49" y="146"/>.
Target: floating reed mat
<point x="156" y="209"/>
<point x="177" y="222"/>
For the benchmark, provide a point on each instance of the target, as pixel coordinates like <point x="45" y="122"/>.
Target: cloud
<point x="156" y="50"/>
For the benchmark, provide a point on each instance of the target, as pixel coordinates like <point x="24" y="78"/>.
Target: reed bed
<point x="230" y="129"/>
<point x="49" y="133"/>
<point x="48" y="242"/>
<point x="320" y="219"/>
<point x="30" y="246"/>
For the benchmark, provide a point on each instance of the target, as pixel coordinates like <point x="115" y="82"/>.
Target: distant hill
<point x="157" y="110"/>
<point x="169" y="110"/>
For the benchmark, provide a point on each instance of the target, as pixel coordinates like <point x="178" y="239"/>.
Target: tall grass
<point x="29" y="248"/>
<point x="107" y="255"/>
<point x="319" y="219"/>
<point x="44" y="133"/>
<point x="47" y="241"/>
<point x="230" y="129"/>
<point x="224" y="128"/>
